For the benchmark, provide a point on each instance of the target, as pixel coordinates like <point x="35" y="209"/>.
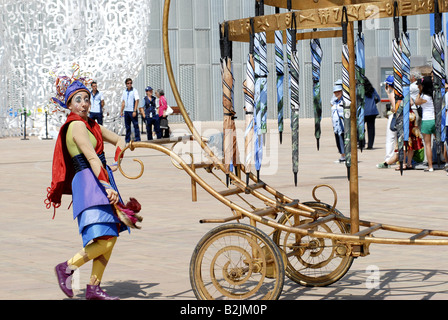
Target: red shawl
<point x="63" y="171"/>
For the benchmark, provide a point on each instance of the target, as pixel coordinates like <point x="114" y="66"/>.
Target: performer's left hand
<point x="112" y="195"/>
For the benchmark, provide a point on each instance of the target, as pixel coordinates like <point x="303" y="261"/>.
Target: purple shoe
<point x="94" y="292"/>
<point x="64" y="274"/>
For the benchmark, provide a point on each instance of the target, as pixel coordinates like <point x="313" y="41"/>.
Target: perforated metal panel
<point x="413" y="39"/>
<point x="154" y="76"/>
<point x="217" y="93"/>
<point x="337" y="70"/>
<point x="187" y="89"/>
<point x="384" y="43"/>
<point x="306" y="104"/>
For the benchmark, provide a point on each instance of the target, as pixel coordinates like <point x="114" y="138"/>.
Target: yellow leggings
<point x="100" y="251"/>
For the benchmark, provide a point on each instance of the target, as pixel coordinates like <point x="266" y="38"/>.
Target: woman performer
<point x="79" y="168"/>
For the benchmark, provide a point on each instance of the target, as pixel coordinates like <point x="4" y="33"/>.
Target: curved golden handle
<point x="132" y="145"/>
<point x="329" y="187"/>
<point x="120" y="158"/>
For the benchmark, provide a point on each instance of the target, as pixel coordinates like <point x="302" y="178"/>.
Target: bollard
<point x="24" y="125"/>
<point x="46" y="127"/>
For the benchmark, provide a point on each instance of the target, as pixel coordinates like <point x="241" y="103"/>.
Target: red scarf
<point x="63" y="171"/>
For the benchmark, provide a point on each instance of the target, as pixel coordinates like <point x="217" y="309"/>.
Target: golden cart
<point x="312" y="242"/>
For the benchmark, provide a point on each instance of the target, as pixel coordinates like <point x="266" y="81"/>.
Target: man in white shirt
<point x="336" y="117"/>
<point x="129" y="106"/>
<point x="96" y="103"/>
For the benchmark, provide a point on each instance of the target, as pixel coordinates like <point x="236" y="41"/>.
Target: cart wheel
<point x="236" y="261"/>
<point x="315" y="262"/>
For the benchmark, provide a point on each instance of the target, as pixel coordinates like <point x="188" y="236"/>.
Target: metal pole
<point x="353" y="184"/>
<point x="354" y="194"/>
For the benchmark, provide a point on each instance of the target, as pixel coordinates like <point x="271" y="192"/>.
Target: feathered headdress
<point x="66" y="86"/>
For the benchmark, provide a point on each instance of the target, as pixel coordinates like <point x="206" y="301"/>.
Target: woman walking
<point x="370" y="111"/>
<point x="428" y="127"/>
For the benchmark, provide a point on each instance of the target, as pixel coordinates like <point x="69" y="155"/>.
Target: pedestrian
<point x="163" y="106"/>
<point x="370" y="111"/>
<point x="391" y="134"/>
<point x="413" y="92"/>
<point x="79" y="169"/>
<point x="149" y="113"/>
<point x="336" y="83"/>
<point x="97" y="103"/>
<point x="413" y="87"/>
<point x="129" y="106"/>
<point x="428" y="127"/>
<point x="337" y="110"/>
<point x="444" y="135"/>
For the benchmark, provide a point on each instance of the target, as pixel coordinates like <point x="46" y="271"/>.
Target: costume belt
<point x="80" y="161"/>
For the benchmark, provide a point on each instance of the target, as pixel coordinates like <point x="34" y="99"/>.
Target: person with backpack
<point x="150" y="114"/>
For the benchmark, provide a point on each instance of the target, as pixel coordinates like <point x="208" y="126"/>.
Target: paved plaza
<point x="153" y="263"/>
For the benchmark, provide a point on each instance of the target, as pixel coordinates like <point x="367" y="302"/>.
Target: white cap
<point x="337" y="87"/>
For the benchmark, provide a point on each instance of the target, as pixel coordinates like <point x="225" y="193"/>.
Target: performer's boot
<point x="94" y="292"/>
<point x="64" y="273"/>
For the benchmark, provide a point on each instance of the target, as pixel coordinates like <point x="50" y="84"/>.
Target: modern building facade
<point x="194" y="47"/>
<point x="195" y="53"/>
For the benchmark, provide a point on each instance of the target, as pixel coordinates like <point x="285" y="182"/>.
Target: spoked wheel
<point x="236" y="261"/>
<point x="314" y="261"/>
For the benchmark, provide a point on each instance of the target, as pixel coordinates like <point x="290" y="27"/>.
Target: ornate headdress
<point x="66" y="86"/>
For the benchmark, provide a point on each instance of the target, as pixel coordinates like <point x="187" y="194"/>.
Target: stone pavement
<point x="153" y="263"/>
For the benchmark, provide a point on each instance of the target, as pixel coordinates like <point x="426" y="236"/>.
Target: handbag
<point x="168" y="111"/>
<point x="163" y="123"/>
<point x="393" y="123"/>
<point x="420" y="111"/>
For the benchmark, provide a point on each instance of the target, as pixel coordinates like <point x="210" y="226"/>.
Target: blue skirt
<point x="95" y="215"/>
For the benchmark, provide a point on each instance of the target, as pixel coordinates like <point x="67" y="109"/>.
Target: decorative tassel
<point x="128" y="213"/>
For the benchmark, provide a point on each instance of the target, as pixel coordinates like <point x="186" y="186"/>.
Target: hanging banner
<point x="316" y="59"/>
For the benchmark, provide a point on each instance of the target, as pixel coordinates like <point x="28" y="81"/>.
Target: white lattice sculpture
<point x="107" y="38"/>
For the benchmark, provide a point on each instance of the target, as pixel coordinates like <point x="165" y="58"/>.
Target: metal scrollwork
<point x="120" y="158"/>
<point x="329" y="187"/>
